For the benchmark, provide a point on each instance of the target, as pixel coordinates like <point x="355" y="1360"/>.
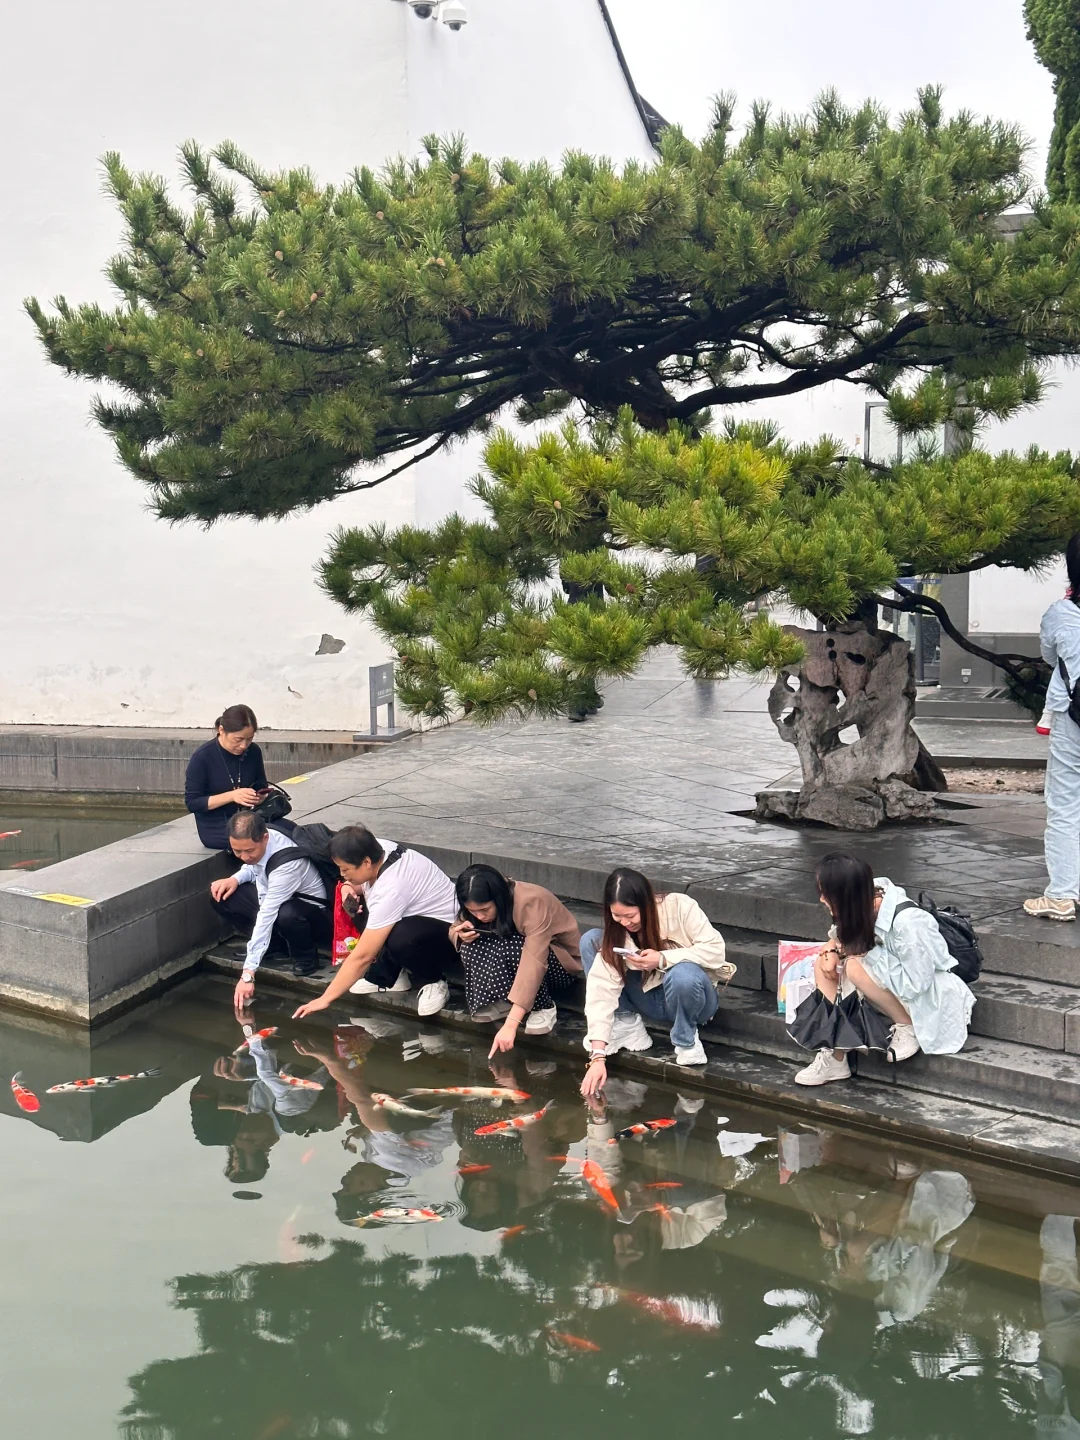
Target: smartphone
<point x="624" y="950"/>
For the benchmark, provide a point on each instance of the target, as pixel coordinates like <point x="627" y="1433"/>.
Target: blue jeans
<point x="686" y="999"/>
<point x="1062" y="839"/>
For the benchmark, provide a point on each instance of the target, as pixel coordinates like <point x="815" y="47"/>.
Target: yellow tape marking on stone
<point x="58" y="899"/>
<point x="296" y="780"/>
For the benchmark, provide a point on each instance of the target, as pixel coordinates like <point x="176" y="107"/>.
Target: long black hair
<point x="1072" y="565"/>
<point x="484" y="885"/>
<point x="847" y="887"/>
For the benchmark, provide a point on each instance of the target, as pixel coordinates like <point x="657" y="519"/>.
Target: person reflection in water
<point x="1059" y="1350"/>
<point x="252" y="1126"/>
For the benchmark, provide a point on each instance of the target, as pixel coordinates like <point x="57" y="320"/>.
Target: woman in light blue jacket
<point x="1059" y="638"/>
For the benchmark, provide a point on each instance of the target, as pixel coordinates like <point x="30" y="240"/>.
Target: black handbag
<point x="274" y="805"/>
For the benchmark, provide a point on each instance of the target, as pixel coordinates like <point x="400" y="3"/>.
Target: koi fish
<point x="300" y="1082"/>
<point x="574" y="1342"/>
<point x="663" y="1185"/>
<point x="497" y="1094"/>
<point x="592" y="1172"/>
<point x="259" y="1035"/>
<point x="24" y="1098"/>
<point x="307" y="1155"/>
<point x="99" y="1082"/>
<point x="398" y="1215"/>
<point x="519" y="1122"/>
<point x="387" y="1102"/>
<point x="275" y="1428"/>
<point x="639" y="1131"/>
<point x="513" y="1230"/>
<point x="7" y="834"/>
<point x="686" y="1313"/>
<point x="473" y="1169"/>
<point x="662" y="1210"/>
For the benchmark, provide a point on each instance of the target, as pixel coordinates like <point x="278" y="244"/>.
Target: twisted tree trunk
<point x="852" y="677"/>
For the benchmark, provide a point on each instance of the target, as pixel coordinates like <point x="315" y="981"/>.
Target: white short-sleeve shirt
<point x="414" y="885"/>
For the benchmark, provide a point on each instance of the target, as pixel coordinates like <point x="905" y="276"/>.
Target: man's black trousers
<point x="301" y="925"/>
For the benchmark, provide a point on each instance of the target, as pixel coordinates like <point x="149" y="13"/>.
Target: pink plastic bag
<point x="796" y="974"/>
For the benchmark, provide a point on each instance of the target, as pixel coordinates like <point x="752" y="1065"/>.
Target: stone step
<point x="992" y="1071"/>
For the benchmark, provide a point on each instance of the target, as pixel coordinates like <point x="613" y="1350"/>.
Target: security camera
<point x="454" y="14"/>
<point x="423" y="9"/>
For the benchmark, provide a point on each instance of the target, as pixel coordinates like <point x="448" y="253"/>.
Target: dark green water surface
<point x="47" y="835"/>
<point x="181" y="1258"/>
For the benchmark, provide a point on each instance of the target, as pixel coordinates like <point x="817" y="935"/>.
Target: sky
<point x="681" y="52"/>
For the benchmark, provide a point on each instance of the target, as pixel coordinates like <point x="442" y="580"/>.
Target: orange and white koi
<point x="398" y="1215"/>
<point x="519" y="1122"/>
<point x="259" y="1035"/>
<point x="640" y="1130"/>
<point x="99" y="1082"/>
<point x="682" y="1311"/>
<point x="663" y="1185"/>
<point x="574" y="1342"/>
<point x="512" y="1231"/>
<point x="8" y="834"/>
<point x="473" y="1169"/>
<point x="24" y="1098"/>
<point x="300" y="1082"/>
<point x="497" y="1094"/>
<point x="387" y="1102"/>
<point x="594" y="1175"/>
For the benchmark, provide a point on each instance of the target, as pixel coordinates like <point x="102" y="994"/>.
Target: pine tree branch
<point x="910" y="603"/>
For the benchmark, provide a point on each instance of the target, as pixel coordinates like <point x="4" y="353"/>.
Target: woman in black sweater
<point x="225" y="775"/>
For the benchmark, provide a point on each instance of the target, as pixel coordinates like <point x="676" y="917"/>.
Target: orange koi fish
<point x="275" y="1428"/>
<point x="519" y="1122"/>
<point x="639" y="1131"/>
<point x="398" y="1215"/>
<point x="7" y="834"/>
<point x="574" y="1342"/>
<point x="301" y="1082"/>
<point x="24" y="1098"/>
<point x="473" y="1169"/>
<point x="592" y="1172"/>
<point x="497" y="1094"/>
<point x="684" y="1312"/>
<point x="259" y="1035"/>
<point x="387" y="1102"/>
<point x="512" y="1231"/>
<point x="661" y="1210"/>
<point x="98" y="1082"/>
<point x="663" y="1185"/>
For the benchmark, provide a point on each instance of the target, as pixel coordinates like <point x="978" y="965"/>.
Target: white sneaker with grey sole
<point x="904" y="1045"/>
<point x="369" y="987"/>
<point x="541" y="1022"/>
<point x="823" y="1068"/>
<point x="625" y="1035"/>
<point x="691" y="1054"/>
<point x="432" y="998"/>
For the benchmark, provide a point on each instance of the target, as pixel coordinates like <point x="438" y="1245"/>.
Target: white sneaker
<point x="904" y="1044"/>
<point x="824" y="1067"/>
<point x="432" y="998"/>
<point x="376" y="1026"/>
<point x="691" y="1054"/>
<point x="687" y="1105"/>
<point x="541" y="1022"/>
<point x="629" y="1035"/>
<point x="369" y="987"/>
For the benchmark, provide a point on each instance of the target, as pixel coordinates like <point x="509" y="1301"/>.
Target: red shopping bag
<point x="347" y="928"/>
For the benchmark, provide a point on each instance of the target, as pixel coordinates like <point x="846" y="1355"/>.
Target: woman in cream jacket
<point x="657" y="958"/>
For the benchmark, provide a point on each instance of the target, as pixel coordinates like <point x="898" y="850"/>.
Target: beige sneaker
<point x="1050" y="909"/>
<point x="823" y="1068"/>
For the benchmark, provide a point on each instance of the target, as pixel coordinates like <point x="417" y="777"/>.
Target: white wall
<point x="109" y="616"/>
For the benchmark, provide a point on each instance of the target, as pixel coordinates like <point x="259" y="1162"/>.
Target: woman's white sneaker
<point x="823" y="1068"/>
<point x="1044" y="907"/>
<point x="369" y="987"/>
<point x="904" y="1045"/>
<point x="691" y="1054"/>
<point x="541" y="1022"/>
<point x="432" y="998"/>
<point x="628" y="1034"/>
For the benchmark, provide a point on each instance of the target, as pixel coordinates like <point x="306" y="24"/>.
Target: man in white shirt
<point x="410" y="905"/>
<point x="286" y="901"/>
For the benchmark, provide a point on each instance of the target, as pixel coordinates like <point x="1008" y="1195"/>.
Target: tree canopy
<point x="272" y="352"/>
<point x="1053" y="26"/>
<point x="602" y="543"/>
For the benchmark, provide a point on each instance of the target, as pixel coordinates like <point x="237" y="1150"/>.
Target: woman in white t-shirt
<point x="410" y="905"/>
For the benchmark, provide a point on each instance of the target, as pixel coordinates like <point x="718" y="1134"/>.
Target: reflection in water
<point x="822" y="1285"/>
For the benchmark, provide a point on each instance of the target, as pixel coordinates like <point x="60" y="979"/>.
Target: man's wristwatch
<point x="248" y="977"/>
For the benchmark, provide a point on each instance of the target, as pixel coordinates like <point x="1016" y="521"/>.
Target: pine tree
<point x="1053" y="26"/>
<point x="268" y="352"/>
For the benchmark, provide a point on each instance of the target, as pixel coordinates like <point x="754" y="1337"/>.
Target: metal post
<point x="381" y="692"/>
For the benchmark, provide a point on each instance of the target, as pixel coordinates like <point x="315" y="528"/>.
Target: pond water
<point x="33" y="837"/>
<point x="186" y="1255"/>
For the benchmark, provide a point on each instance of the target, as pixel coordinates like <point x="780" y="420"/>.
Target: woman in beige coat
<point x="657" y="958"/>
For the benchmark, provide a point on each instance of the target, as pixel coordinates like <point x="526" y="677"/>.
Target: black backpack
<point x="958" y="933"/>
<point x="1074" y="693"/>
<point x="310" y="842"/>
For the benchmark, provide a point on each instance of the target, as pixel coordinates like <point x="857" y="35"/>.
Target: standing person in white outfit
<point x="1059" y="639"/>
<point x="410" y="907"/>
